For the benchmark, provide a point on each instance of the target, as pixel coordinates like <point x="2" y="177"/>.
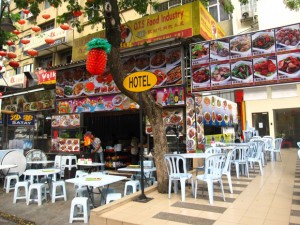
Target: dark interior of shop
<point x="113" y="127"/>
<point x="287" y="126"/>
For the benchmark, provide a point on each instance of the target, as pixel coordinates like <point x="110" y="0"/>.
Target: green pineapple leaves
<point x="99" y="43"/>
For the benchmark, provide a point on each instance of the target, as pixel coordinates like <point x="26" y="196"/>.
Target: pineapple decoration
<point x="96" y="58"/>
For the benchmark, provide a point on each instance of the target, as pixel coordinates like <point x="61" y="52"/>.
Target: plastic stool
<point x="7" y="182"/>
<point x="112" y="197"/>
<point x="83" y="202"/>
<point x="56" y="184"/>
<point x="41" y="193"/>
<point x="18" y="186"/>
<point x="81" y="192"/>
<point x="135" y="184"/>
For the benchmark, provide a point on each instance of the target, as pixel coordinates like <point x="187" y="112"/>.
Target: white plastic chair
<point x="210" y="150"/>
<point x="268" y="146"/>
<point x="241" y="159"/>
<point x="256" y="154"/>
<point x="298" y="143"/>
<point x="176" y="168"/>
<point x="227" y="168"/>
<point x="277" y="147"/>
<point x="213" y="173"/>
<point x="299" y="154"/>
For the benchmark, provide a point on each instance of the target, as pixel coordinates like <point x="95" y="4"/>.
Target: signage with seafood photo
<point x="258" y="58"/>
<point x="20" y="119"/>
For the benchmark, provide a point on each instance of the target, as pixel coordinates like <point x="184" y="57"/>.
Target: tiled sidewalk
<point x="271" y="199"/>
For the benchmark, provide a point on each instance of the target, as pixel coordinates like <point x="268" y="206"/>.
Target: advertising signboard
<point x="264" y="57"/>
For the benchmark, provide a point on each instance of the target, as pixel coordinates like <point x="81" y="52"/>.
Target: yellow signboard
<point x="209" y="28"/>
<point x="184" y="21"/>
<point x="139" y="81"/>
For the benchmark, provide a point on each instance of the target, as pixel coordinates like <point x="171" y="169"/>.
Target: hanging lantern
<point x="0" y="68"/>
<point x="25" y="41"/>
<point x="26" y="11"/>
<point x="14" y="64"/>
<point x="46" y="16"/>
<point x="16" y="32"/>
<point x="65" y="26"/>
<point x="21" y="22"/>
<point x="11" y="55"/>
<point x="2" y="53"/>
<point x="77" y="13"/>
<point x="32" y="52"/>
<point x="96" y="58"/>
<point x="49" y="40"/>
<point x="9" y="43"/>
<point x="36" y="28"/>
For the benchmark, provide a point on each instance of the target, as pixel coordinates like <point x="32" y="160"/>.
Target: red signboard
<point x="46" y="77"/>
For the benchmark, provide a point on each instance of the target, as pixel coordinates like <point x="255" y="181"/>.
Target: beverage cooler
<point x="18" y="131"/>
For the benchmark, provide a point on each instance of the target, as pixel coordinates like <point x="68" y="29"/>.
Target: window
<point x="47" y="4"/>
<point x="28" y="68"/>
<point x="172" y="3"/>
<point x="217" y="11"/>
<point x="18" y="70"/>
<point x="47" y="26"/>
<point x="45" y="62"/>
<point x="66" y="57"/>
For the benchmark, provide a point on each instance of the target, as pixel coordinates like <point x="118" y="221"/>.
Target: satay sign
<point x="140" y="81"/>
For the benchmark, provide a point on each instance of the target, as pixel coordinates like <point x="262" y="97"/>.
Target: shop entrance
<point x="287" y="126"/>
<point x="260" y="121"/>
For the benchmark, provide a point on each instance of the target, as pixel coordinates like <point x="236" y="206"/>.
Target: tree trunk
<point x="150" y="108"/>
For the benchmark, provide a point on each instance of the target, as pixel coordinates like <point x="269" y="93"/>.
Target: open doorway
<point x="260" y="121"/>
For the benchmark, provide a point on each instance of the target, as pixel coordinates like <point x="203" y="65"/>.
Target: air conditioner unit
<point x="245" y="15"/>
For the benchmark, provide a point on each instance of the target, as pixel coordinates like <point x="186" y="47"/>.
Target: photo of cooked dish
<point x="68" y="90"/>
<point x="190" y="144"/>
<point x="142" y="62"/>
<point x="242" y="70"/>
<point x="191" y="132"/>
<point x="288" y="36"/>
<point x="174" y="119"/>
<point x="161" y="76"/>
<point x="59" y="91"/>
<point x="265" y="67"/>
<point x="173" y="56"/>
<point x="289" y="64"/>
<point x="219" y="49"/>
<point x="219" y="117"/>
<point x="33" y="106"/>
<point x="207" y="117"/>
<point x="174" y="75"/>
<point x="264" y="41"/>
<point x="26" y="106"/>
<point x="213" y="116"/>
<point x="55" y="123"/>
<point x="158" y="59"/>
<point x="226" y="118"/>
<point x="77" y="89"/>
<point x="117" y="100"/>
<point x="206" y="101"/>
<point x="201" y="75"/>
<point x="240" y="43"/>
<point x="200" y="51"/>
<point x="129" y="64"/>
<point x="220" y="73"/>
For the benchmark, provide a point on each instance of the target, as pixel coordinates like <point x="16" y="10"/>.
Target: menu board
<point x="34" y="101"/>
<point x="165" y="64"/>
<point x="259" y="58"/>
<point x="172" y="119"/>
<point x="65" y="121"/>
<point x="192" y="135"/>
<point x="115" y="102"/>
<point x="65" y="144"/>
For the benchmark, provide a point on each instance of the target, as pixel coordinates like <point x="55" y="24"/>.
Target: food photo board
<point x="259" y="58"/>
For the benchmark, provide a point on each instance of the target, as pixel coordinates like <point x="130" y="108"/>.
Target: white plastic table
<point x="98" y="181"/>
<point x="40" y="172"/>
<point x="90" y="166"/>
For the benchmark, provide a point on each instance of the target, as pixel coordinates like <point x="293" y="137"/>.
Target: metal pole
<point x="142" y="196"/>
